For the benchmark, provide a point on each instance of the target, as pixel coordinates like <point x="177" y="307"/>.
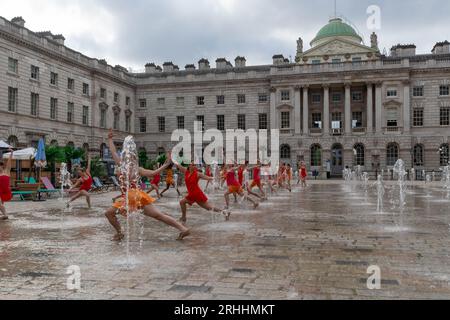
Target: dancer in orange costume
<point x="138" y="200"/>
<point x="170" y="182"/>
<point x="235" y="188"/>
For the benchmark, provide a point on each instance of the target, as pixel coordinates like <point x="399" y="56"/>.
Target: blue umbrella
<point x="40" y="159"/>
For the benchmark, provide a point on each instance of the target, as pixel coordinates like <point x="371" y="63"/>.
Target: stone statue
<point x="374" y="41"/>
<point x="299" y="46"/>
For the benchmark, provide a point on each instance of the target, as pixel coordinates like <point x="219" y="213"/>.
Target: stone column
<point x="305" y="111"/>
<point x="406" y="106"/>
<point x="326" y="109"/>
<point x="369" y="125"/>
<point x="273" y="109"/>
<point x="378" y="108"/>
<point x="348" y="109"/>
<point x="297" y="111"/>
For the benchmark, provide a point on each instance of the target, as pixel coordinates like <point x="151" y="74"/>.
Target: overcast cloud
<point x="134" y="32"/>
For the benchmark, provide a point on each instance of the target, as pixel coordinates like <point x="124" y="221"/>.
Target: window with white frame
<point x="201" y="123"/>
<point x="241" y="98"/>
<point x="285" y="120"/>
<point x="34" y="72"/>
<point x="445" y="116"/>
<point x="70" y="84"/>
<point x="418" y="91"/>
<point x="85" y="115"/>
<point x="359" y="152"/>
<point x="392" y="117"/>
<point x="316" y="120"/>
<point x="161" y="124"/>
<point x="53" y="108"/>
<point x="285" y="95"/>
<point x="12" y="99"/>
<point x="418" y="117"/>
<point x="34" y="104"/>
<point x="262" y="121"/>
<point x="392" y="154"/>
<point x="221" y="122"/>
<point x="263" y="98"/>
<point x="418" y="158"/>
<point x="201" y="101"/>
<point x="391" y="93"/>
<point x="142" y="124"/>
<point x="13" y="65"/>
<point x="53" y="79"/>
<point x="70" y="110"/>
<point x="444" y="90"/>
<point x="241" y="122"/>
<point x="85" y="89"/>
<point x="357" y="119"/>
<point x="336" y="120"/>
<point x="220" y="99"/>
<point x="180" y="122"/>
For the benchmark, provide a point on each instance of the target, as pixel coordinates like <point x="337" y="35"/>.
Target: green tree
<point x="98" y="168"/>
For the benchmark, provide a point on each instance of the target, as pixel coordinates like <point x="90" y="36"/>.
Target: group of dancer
<point x="133" y="197"/>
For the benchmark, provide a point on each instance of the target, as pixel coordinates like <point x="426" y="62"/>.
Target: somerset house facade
<point x="341" y="100"/>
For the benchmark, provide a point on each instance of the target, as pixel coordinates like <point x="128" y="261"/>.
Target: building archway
<point x="337" y="160"/>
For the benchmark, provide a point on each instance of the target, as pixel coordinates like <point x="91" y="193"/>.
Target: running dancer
<point x="208" y="173"/>
<point x="195" y="193"/>
<point x="138" y="200"/>
<point x="5" y="189"/>
<point x="170" y="182"/>
<point x="83" y="185"/>
<point x="154" y="183"/>
<point x="303" y="174"/>
<point x="235" y="188"/>
<point x="257" y="180"/>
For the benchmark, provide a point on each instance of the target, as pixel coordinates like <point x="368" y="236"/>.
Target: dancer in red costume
<point x="154" y="183"/>
<point x="208" y="173"/>
<point x="195" y="193"/>
<point x="5" y="190"/>
<point x="83" y="185"/>
<point x="235" y="188"/>
<point x="257" y="180"/>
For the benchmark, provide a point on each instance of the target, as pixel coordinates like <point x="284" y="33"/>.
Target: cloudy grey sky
<point x="134" y="32"/>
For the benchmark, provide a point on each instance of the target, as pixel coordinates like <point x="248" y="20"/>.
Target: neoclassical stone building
<point x="341" y="100"/>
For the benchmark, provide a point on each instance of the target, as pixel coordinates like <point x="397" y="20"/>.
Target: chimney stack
<point x="240" y="62"/>
<point x="203" y="64"/>
<point x="19" y="21"/>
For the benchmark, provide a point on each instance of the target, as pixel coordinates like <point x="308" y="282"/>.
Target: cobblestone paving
<point x="316" y="244"/>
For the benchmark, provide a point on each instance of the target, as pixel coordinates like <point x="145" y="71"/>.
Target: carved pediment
<point x="392" y="103"/>
<point x="103" y="106"/>
<point x="338" y="47"/>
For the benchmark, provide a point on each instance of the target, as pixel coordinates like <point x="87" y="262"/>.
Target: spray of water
<point x="380" y="193"/>
<point x="399" y="170"/>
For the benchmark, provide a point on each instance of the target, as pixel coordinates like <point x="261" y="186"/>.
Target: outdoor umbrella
<point x="24" y="154"/>
<point x="40" y="161"/>
<point x="4" y="145"/>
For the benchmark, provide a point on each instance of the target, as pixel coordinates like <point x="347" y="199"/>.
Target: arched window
<point x="418" y="156"/>
<point x="13" y="141"/>
<point x="285" y="152"/>
<point x="444" y="155"/>
<point x="316" y="155"/>
<point x="392" y="152"/>
<point x="359" y="152"/>
<point x="54" y="143"/>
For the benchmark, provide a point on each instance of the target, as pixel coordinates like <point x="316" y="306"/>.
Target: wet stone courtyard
<point x="309" y="244"/>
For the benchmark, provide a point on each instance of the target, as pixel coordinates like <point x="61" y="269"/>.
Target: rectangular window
<point x="53" y="108"/>
<point x="357" y="96"/>
<point x="180" y="123"/>
<point x="116" y="123"/>
<point x="161" y="124"/>
<point x="34" y="72"/>
<point x="12" y="99"/>
<point x="418" y="92"/>
<point x="142" y="103"/>
<point x="262" y="121"/>
<point x="357" y="119"/>
<point x="336" y="97"/>
<point x="241" y="122"/>
<point x="161" y="102"/>
<point x="316" y="120"/>
<point x="444" y="90"/>
<point x="285" y="95"/>
<point x="263" y="98"/>
<point x="201" y="120"/>
<point x="13" y="65"/>
<point x="103" y="93"/>
<point x="116" y="97"/>
<point x="316" y="61"/>
<point x="103" y="118"/>
<point x="241" y="98"/>
<point x="336" y="120"/>
<point x="418" y="117"/>
<point x="180" y="101"/>
<point x="127" y="123"/>
<point x="127" y="101"/>
<point x="356" y="60"/>
<point x="220" y="100"/>
<point x="392" y="93"/>
<point x="70" y="110"/>
<point x="316" y="98"/>
<point x="85" y="89"/>
<point x="54" y="79"/>
<point x="85" y="115"/>
<point x="445" y="116"/>
<point x="71" y="84"/>
<point x="221" y="122"/>
<point x="34" y="104"/>
<point x="392" y="118"/>
<point x="201" y="101"/>
<point x="285" y="120"/>
<point x="142" y="125"/>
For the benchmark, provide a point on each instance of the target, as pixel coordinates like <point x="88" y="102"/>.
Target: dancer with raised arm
<point x="170" y="182"/>
<point x="5" y="189"/>
<point x="83" y="185"/>
<point x="154" y="183"/>
<point x="195" y="193"/>
<point x="235" y="188"/>
<point x="138" y="200"/>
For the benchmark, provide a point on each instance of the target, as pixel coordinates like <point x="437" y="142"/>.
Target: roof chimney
<point x="168" y="67"/>
<point x="189" y="67"/>
<point x="59" y="38"/>
<point x="203" y="64"/>
<point x="240" y="62"/>
<point x="19" y="21"/>
<point x="150" y="68"/>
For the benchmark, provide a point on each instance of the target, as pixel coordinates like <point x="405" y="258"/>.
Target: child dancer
<point x="138" y="200"/>
<point x="5" y="190"/>
<point x="154" y="183"/>
<point x="195" y="193"/>
<point x="235" y="188"/>
<point x="83" y="185"/>
<point x="170" y="182"/>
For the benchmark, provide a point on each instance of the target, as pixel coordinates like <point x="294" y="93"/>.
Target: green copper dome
<point x="336" y="28"/>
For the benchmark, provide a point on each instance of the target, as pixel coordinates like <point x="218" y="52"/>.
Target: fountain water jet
<point x="399" y="169"/>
